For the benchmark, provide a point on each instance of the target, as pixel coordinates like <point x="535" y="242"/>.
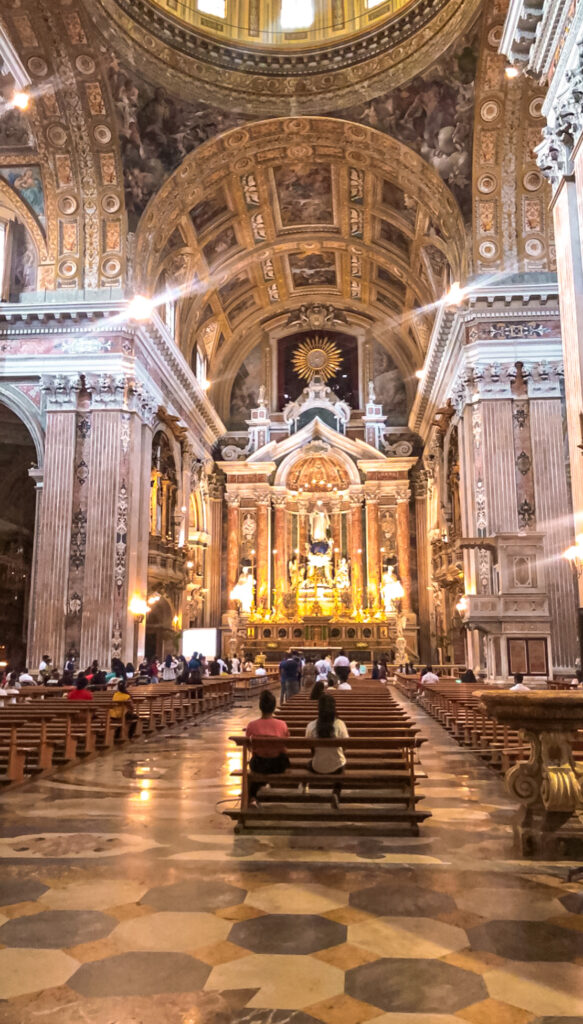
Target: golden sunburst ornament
<point x="317" y="357"/>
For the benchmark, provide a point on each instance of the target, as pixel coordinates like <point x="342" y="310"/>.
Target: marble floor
<point x="125" y="898"/>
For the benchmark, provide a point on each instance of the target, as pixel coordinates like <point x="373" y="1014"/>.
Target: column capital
<point x="371" y="497"/>
<point x="215" y="486"/>
<point x="279" y="501"/>
<point x="403" y="494"/>
<point x="420" y="479"/>
<point x="355" y="498"/>
<point x="233" y="500"/>
<point x="264" y="500"/>
<point x="61" y="391"/>
<point x="544" y="379"/>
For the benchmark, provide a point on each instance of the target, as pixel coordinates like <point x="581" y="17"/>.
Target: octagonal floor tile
<point x="140" y="974"/>
<point x="408" y="900"/>
<point x="193" y="896"/>
<point x="405" y="937"/>
<point x="293" y="982"/>
<point x="56" y="929"/>
<point x="415" y="986"/>
<point x="501" y="904"/>
<point x="30" y="970"/>
<point x="525" y="940"/>
<point x="284" y="898"/>
<point x="288" y="933"/>
<point x="171" y="931"/>
<point x="97" y="895"/>
<point x="544" y="989"/>
<point x="17" y="890"/>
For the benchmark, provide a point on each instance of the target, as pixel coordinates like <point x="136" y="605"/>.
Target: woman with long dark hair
<point x="328" y="760"/>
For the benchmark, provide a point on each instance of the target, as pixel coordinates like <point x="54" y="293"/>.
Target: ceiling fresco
<point x="263" y="222"/>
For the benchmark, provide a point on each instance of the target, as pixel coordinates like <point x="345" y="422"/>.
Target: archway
<point x="17" y="517"/>
<point x="161" y="636"/>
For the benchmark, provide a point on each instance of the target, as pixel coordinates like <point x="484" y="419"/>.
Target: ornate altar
<point x="318" y="551"/>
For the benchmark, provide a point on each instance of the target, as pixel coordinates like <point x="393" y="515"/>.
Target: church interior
<point x="291" y="395"/>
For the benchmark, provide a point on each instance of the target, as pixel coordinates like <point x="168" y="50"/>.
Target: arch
<point x="26" y="410"/>
<point x="299" y="454"/>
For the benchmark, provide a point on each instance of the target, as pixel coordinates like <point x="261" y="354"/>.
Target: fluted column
<point x="423" y="573"/>
<point x="233" y="554"/>
<point x="356" y="549"/>
<point x="53" y="540"/>
<point x="280" y="544"/>
<point x="372" y="547"/>
<point x="404" y="545"/>
<point x="263" y="544"/>
<point x="213" y="562"/>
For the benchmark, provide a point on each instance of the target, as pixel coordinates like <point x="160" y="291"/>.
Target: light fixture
<point x="462" y="605"/>
<point x="153" y="598"/>
<point x="274" y="551"/>
<point x="205" y="384"/>
<point x="574" y="554"/>
<point x="140" y="308"/>
<point x="138" y="607"/>
<point x="420" y="374"/>
<point x="511" y="72"/>
<point x="21" y="100"/>
<point x="455" y="295"/>
<point x="190" y="565"/>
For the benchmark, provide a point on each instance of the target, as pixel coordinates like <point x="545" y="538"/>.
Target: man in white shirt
<point x="236" y="665"/>
<point x="519" y="686"/>
<point x="428" y="676"/>
<point x="342" y="659"/>
<point x="26" y="678"/>
<point x="323" y="666"/>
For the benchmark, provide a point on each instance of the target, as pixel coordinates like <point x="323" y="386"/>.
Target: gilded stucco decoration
<point x="513" y="228"/>
<point x="72" y="172"/>
<point x="303" y="78"/>
<point x="303" y="172"/>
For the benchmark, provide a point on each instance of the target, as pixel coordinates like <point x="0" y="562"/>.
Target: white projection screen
<point x="204" y="641"/>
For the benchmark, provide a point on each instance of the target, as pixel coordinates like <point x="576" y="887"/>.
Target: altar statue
<point x="244" y="590"/>
<point x="391" y="590"/>
<point x="342" y="575"/>
<point x="296" y="572"/>
<point x="319" y="526"/>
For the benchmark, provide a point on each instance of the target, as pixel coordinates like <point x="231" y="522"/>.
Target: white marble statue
<point x="342" y="575"/>
<point x="244" y="590"/>
<point x="319" y="525"/>
<point x="391" y="590"/>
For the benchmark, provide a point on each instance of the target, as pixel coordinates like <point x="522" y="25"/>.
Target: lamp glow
<point x="420" y="374"/>
<point x="140" y="308"/>
<point x="574" y="554"/>
<point x="205" y="385"/>
<point x="455" y="295"/>
<point x="138" y="606"/>
<point x="462" y="605"/>
<point x="511" y="72"/>
<point x="21" y="100"/>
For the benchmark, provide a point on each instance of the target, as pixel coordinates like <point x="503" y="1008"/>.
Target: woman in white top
<point x="328" y="760"/>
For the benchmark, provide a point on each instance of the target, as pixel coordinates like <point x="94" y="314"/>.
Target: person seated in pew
<point x="428" y="676"/>
<point x="468" y="677"/>
<point x="342" y="673"/>
<point x="577" y="680"/>
<point x="318" y="689"/>
<point x="80" y="692"/>
<point x="355" y="668"/>
<point x="519" y="684"/>
<point x="123" y="705"/>
<point x="130" y="670"/>
<point x="273" y="758"/>
<point x="327" y="760"/>
<point x="26" y="679"/>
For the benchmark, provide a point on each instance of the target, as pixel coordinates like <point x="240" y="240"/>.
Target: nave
<point x="125" y="897"/>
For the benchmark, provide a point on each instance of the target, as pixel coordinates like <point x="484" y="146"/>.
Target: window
<point x="200" y="366"/>
<point x="297" y="14"/>
<point x="216" y="7"/>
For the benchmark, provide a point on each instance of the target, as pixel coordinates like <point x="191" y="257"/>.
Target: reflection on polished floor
<point x="125" y="898"/>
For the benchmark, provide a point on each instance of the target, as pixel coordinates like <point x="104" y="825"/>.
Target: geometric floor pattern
<point x="125" y="898"/>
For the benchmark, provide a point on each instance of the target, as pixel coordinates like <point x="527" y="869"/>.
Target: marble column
<point x="423" y="565"/>
<point x="372" y="547"/>
<point x="233" y="544"/>
<point x="356" y="552"/>
<point x="404" y="545"/>
<point x="302" y="529"/>
<point x="213" y="562"/>
<point x="280" y="545"/>
<point x="567" y="209"/>
<point x="263" y="551"/>
<point x="53" y="539"/>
